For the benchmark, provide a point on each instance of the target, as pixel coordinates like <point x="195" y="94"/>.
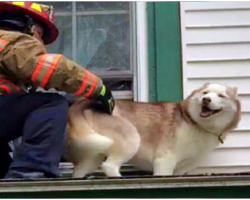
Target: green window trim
<point x="164" y="50"/>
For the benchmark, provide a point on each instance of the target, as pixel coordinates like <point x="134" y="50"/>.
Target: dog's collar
<point x="220" y="139"/>
<point x="219" y="136"/>
<point x="194" y="122"/>
<point x="187" y="116"/>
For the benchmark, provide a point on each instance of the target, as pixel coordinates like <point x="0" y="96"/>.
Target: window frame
<point x="138" y="68"/>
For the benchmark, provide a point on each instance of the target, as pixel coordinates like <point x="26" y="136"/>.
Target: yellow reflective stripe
<point x="84" y="83"/>
<point x="92" y="86"/>
<point x="103" y="91"/>
<point x="36" y="7"/>
<point x="18" y="3"/>
<point x="44" y="68"/>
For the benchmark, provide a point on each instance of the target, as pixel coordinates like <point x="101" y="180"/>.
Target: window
<point x="101" y="37"/>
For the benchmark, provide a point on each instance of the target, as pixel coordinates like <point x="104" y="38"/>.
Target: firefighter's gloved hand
<point x="107" y="100"/>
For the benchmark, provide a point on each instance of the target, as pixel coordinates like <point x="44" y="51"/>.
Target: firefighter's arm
<point x="28" y="60"/>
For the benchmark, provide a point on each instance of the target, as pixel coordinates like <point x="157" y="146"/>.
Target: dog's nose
<point x="206" y="100"/>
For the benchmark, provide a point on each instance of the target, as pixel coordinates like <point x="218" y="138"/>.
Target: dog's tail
<point x="75" y="112"/>
<point x="88" y="139"/>
<point x="95" y="143"/>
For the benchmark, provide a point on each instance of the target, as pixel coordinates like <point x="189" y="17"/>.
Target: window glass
<point x="97" y="35"/>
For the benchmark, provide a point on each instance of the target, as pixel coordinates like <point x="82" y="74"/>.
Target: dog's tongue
<point x="206" y="112"/>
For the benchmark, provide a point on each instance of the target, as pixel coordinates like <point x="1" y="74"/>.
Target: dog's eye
<point x="205" y="92"/>
<point x="221" y="96"/>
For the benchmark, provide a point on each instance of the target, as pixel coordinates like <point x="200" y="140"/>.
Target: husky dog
<point x="167" y="138"/>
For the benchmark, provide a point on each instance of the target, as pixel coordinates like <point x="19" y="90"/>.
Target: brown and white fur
<point x="164" y="137"/>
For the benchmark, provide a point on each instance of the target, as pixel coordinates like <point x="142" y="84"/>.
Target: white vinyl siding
<point x="216" y="49"/>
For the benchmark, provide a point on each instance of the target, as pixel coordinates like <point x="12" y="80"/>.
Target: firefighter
<point x="40" y="118"/>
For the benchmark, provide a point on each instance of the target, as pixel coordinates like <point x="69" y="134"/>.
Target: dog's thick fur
<point x="164" y="137"/>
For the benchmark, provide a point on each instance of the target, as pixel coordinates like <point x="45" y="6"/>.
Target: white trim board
<point x="142" y="53"/>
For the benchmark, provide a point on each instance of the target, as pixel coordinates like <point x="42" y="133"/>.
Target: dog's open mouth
<point x="207" y="112"/>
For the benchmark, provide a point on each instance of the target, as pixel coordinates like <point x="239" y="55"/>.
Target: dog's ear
<point x="206" y="85"/>
<point x="236" y="119"/>
<point x="232" y="92"/>
<point x="235" y="92"/>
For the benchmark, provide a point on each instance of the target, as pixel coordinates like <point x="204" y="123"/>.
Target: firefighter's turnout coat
<point x="24" y="60"/>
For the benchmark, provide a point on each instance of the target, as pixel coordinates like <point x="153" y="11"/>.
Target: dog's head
<point x="214" y="107"/>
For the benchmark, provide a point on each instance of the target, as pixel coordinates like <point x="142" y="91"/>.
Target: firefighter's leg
<point x="41" y="119"/>
<point x="5" y="158"/>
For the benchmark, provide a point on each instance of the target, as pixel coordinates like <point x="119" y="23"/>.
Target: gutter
<point x="132" y="183"/>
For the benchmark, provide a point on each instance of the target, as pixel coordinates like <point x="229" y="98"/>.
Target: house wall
<point x="216" y="48"/>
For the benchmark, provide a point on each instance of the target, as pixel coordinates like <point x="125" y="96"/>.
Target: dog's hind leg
<point x="88" y="165"/>
<point x="119" y="154"/>
<point x="111" y="167"/>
